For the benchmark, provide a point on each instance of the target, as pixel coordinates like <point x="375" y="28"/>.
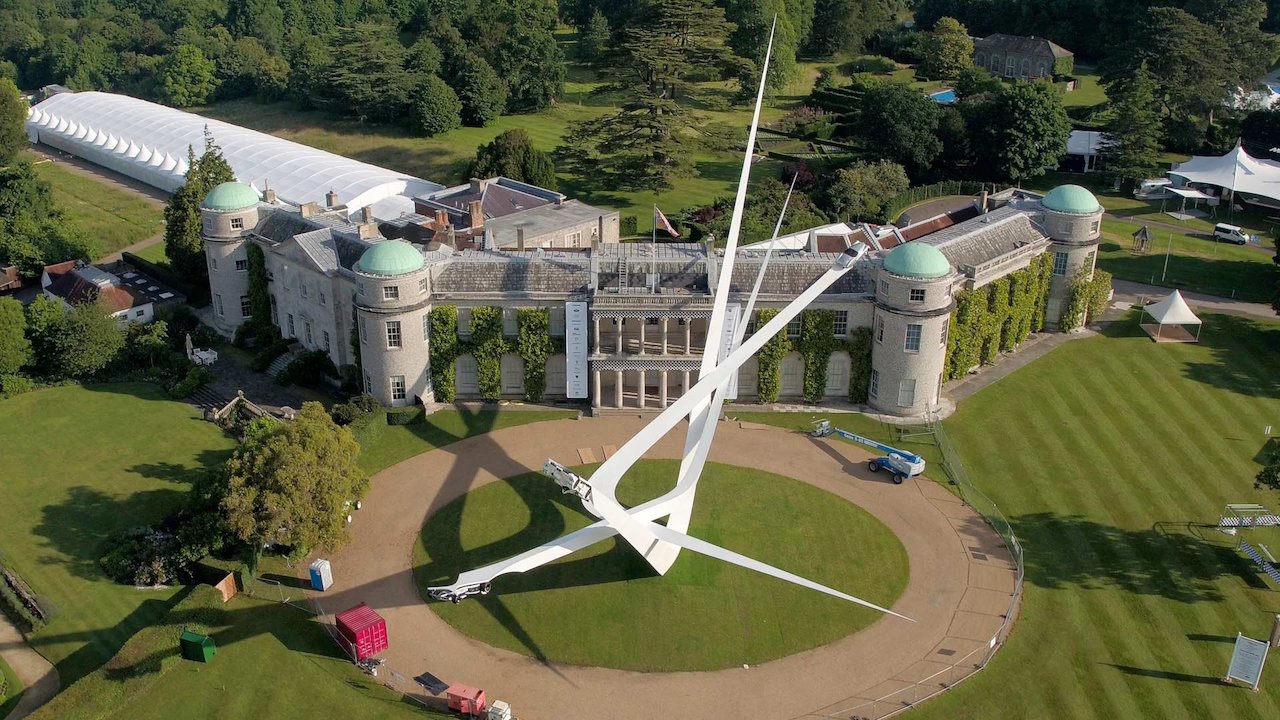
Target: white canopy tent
<point x="1236" y="171"/>
<point x="1188" y="194"/>
<point x="1172" y="310"/>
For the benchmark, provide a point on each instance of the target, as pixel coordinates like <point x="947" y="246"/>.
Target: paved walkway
<point x="960" y="586"/>
<point x="1139" y="293"/>
<point x="39" y="679"/>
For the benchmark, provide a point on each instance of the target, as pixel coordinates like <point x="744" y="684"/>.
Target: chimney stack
<point x="331" y="199"/>
<point x="520" y="238"/>
<point x="982" y="208"/>
<point x="442" y="219"/>
<point x="309" y="209"/>
<point x="269" y="196"/>
<point x="477" y="184"/>
<point x="368" y="231"/>
<point x="366" y="214"/>
<point x="477" y="214"/>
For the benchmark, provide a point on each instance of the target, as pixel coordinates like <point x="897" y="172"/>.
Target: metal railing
<point x="975" y="660"/>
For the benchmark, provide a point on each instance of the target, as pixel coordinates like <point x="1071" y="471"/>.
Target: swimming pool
<point x="944" y="97"/>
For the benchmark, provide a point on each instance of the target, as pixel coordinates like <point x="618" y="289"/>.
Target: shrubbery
<point x="17" y="603"/>
<point x="354" y="409"/>
<point x="146" y="556"/>
<point x="628" y="225"/>
<point x="308" y="370"/>
<point x="13" y="385"/>
<point x="267" y="355"/>
<point x="406" y="416"/>
<point x="198" y="376"/>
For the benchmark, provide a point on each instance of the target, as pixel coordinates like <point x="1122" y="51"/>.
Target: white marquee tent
<point x="148" y="142"/>
<point x="1172" y="310"/>
<point x="1236" y="171"/>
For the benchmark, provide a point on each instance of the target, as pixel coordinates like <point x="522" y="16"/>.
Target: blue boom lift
<point x="900" y="463"/>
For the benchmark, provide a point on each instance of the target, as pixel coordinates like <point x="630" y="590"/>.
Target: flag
<point x="661" y="220"/>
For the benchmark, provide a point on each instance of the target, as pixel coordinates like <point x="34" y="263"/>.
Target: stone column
<point x="665" y="320"/>
<point x="621" y="323"/>
<point x="684" y="386"/>
<point x="596" y="345"/>
<point x="617" y="391"/>
<point x="596" y="400"/>
<point x="662" y="386"/>
<point x="640" y="392"/>
<point x="643" y="323"/>
<point x="688" y="342"/>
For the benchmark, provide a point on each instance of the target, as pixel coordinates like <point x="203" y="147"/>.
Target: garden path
<point x="39" y="679"/>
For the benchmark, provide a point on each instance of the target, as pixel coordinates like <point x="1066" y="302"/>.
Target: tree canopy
<point x="183" y="242"/>
<point x="15" y="348"/>
<point x="949" y="50"/>
<point x="288" y="483"/>
<point x="1131" y="146"/>
<point x="13" y="117"/>
<point x="512" y="155"/>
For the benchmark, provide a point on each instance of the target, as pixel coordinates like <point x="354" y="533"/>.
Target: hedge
<point x="17" y="603"/>
<point x="140" y="664"/>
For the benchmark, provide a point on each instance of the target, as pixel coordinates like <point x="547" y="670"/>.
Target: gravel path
<point x="40" y="680"/>
<point x="960" y="587"/>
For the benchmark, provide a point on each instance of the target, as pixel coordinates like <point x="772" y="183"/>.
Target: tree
<point x="862" y="190"/>
<point x="424" y="57"/>
<point x="1260" y="132"/>
<point x="183" y="243"/>
<point x="1024" y="128"/>
<point x="366" y="76"/>
<point x="481" y="91"/>
<point x="288" y="483"/>
<point x="44" y="320"/>
<point x="1131" y="145"/>
<point x="752" y="20"/>
<point x="436" y="108"/>
<point x="899" y="123"/>
<point x="15" y="348"/>
<point x="846" y="25"/>
<point x="13" y="118"/>
<point x="975" y="81"/>
<point x="86" y="340"/>
<point x="531" y="62"/>
<point x="949" y="50"/>
<point x="593" y="40"/>
<point x="512" y="155"/>
<point x="186" y="77"/>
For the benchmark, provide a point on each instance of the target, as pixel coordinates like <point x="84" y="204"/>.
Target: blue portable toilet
<point x="321" y="575"/>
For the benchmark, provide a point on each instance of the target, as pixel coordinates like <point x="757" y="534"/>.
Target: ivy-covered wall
<point x="817" y="342"/>
<point x="487" y="345"/>
<point x="998" y="317"/>
<point x="259" y="295"/>
<point x="859" y="347"/>
<point x="444" y="351"/>
<point x="1086" y="300"/>
<point x="769" y="360"/>
<point x="533" y="342"/>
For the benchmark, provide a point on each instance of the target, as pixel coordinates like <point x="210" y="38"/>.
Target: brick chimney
<point x="309" y="209"/>
<point x="269" y="196"/>
<point x="442" y="219"/>
<point x="366" y="214"/>
<point x="369" y="230"/>
<point x="331" y="199"/>
<point x="519" y="238"/>
<point x="477" y="214"/>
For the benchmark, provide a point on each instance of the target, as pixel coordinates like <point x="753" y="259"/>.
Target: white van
<point x="1223" y="232"/>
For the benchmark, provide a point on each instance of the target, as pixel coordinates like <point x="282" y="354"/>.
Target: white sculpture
<point x="660" y="544"/>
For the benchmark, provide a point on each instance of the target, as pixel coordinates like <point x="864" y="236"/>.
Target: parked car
<point x="1223" y="232"/>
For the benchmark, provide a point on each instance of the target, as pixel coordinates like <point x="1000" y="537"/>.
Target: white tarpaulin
<point x="1237" y="171"/>
<point x="1186" y="194"/>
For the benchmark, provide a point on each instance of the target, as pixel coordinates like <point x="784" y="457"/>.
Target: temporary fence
<point x="971" y="663"/>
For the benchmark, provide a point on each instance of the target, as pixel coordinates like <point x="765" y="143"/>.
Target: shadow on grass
<point x="1242" y="350"/>
<point x="1168" y="675"/>
<point x="1243" y="280"/>
<point x="1070" y="551"/>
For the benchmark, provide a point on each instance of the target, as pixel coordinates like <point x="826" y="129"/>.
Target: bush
<point x="628" y="225"/>
<point x="308" y="370"/>
<point x="14" y="385"/>
<point x="17" y="604"/>
<point x="868" y="64"/>
<point x="197" y="377"/>
<point x="147" y="556"/>
<point x="406" y="416"/>
<point x="354" y="409"/>
<point x="267" y="355"/>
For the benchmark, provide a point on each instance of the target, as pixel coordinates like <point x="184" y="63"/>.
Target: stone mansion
<point x="636" y="312"/>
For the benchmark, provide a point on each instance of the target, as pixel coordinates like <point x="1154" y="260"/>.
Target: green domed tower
<point x="392" y="310"/>
<point x="228" y="213"/>
<point x="1073" y="222"/>
<point x="909" y="327"/>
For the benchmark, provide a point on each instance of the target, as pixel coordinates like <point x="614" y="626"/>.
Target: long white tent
<point x="1237" y="171"/>
<point x="148" y="142"/>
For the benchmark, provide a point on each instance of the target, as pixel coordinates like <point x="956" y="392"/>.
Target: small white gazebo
<point x="1172" y="319"/>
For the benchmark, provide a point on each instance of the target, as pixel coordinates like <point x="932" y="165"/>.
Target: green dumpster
<point x="196" y="647"/>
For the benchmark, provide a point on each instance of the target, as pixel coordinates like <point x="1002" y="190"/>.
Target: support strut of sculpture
<point x="660" y="544"/>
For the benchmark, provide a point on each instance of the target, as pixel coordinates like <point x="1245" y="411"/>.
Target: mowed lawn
<point x="81" y="463"/>
<point x="1195" y="262"/>
<point x="10" y="689"/>
<point x="397" y="443"/>
<point x="713" y="614"/>
<point x="272" y="662"/>
<point x="1109" y="456"/>
<point x="112" y="217"/>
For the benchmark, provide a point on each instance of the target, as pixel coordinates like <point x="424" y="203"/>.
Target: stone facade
<point x="648" y="306"/>
<point x="1021" y="58"/>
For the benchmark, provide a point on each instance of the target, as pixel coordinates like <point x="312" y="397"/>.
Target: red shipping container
<point x="465" y="699"/>
<point x="364" y="629"/>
